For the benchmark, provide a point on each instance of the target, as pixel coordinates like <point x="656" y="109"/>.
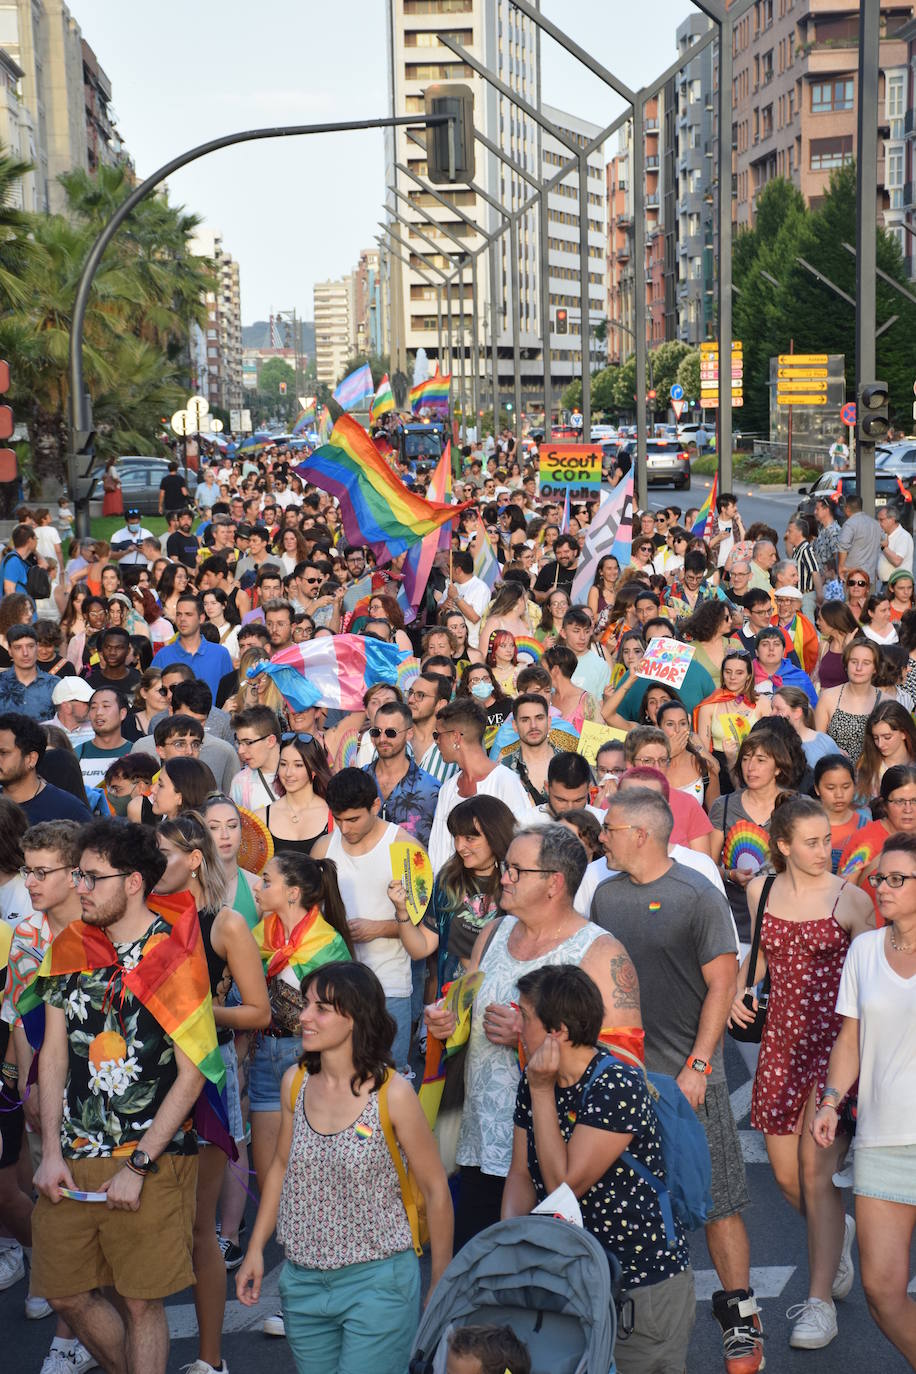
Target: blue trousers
<point x="349" y="1321"/>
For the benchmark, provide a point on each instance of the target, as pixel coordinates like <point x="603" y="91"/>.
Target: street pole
<point x="726" y="65"/>
<point x="494" y="337"/>
<point x="639" y="282"/>
<point x="584" y="302"/>
<point x="516" y="326"/>
<point x="866" y="232"/>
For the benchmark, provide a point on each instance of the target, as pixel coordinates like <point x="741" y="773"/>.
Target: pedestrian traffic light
<point x="450" y="146"/>
<point x="872" y="418"/>
<point x="562" y="321"/>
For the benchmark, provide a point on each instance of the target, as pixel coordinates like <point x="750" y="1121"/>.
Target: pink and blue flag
<point x="332" y="671"/>
<point x="611" y="532"/>
<point x="355" y="388"/>
<point x="486" y="564"/>
<point x="419" y="562"/>
<point x="564" y="523"/>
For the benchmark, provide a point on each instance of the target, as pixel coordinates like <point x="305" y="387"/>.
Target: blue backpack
<point x="684" y="1192"/>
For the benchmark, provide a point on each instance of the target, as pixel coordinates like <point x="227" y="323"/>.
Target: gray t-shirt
<point x="669" y="928"/>
<point x="860" y="538"/>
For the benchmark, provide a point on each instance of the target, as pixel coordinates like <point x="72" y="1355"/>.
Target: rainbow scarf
<point x="801" y="638"/>
<point x="309" y="945"/>
<point x="376" y="508"/>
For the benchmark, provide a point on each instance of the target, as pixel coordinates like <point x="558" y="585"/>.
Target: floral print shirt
<point x="121" y="1062"/>
<point x="412" y="803"/>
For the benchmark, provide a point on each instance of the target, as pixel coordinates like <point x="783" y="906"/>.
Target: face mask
<point x="118" y="805"/>
<point x="133" y="526"/>
<point x="481" y="690"/>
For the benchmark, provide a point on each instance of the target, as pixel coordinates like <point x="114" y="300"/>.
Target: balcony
<point x="652" y="199"/>
<point x="908" y="196"/>
<point x="622" y="255"/>
<point x="652" y="162"/>
<point x="651" y="126"/>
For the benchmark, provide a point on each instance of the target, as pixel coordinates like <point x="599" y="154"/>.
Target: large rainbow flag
<point x="355" y="388"/>
<point x="325" y="425"/>
<point x="375" y="506"/>
<point x="431" y="394"/>
<point x="310" y="944"/>
<point x="382" y="402"/>
<point x="419" y="562"/>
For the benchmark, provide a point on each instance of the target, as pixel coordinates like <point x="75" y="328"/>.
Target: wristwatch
<point x="699" y="1065"/>
<point x="141" y="1163"/>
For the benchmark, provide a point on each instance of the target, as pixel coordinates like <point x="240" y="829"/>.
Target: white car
<point x="603" y="433"/>
<point x="700" y="435"/>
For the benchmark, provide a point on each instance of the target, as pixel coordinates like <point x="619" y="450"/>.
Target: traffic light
<point x="872" y="418"/>
<point x="7" y="424"/>
<point x="450" y="146"/>
<point x="282" y="388"/>
<point x="562" y="321"/>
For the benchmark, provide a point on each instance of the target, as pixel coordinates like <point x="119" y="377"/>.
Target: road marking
<point x="753" y="1148"/>
<point x="741" y="1101"/>
<point x="767" y="1282"/>
<point x="183" y="1316"/>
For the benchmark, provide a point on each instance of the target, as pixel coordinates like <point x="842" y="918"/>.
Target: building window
<point x="894" y="96"/>
<point x="832" y="95"/>
<point x="894" y="168"/>
<point x="827" y="153"/>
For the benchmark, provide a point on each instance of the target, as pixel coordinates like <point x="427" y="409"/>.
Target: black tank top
<point x="282" y="846"/>
<point x="216" y="965"/>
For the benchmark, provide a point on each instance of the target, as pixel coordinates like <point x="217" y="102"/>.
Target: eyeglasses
<point x="904" y="802"/>
<point x="610" y="828"/>
<point x="512" y="871"/>
<point x="893" y="880"/>
<point x="311" y="581"/>
<point x="291" y="735"/>
<point x="89" y="880"/>
<point x="376" y="732"/>
<point x="39" y="873"/>
<point x="255" y="739"/>
<point x="856" y="582"/>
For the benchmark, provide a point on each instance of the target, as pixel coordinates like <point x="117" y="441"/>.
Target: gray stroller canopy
<point x="550" y="1281"/>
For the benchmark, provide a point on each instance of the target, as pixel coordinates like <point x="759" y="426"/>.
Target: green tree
<point x="379" y="364"/>
<point x="272" y="373"/>
<point x="688" y="374"/>
<point x="603" y="390"/>
<point x="625" y="386"/>
<point x="14" y="228"/>
<point x="666" y="359"/>
<point x="571" y="398"/>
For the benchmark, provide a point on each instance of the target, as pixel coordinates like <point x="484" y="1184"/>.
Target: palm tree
<point x="14" y="228"/>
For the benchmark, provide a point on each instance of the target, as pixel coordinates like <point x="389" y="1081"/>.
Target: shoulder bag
<point x="751" y="1034"/>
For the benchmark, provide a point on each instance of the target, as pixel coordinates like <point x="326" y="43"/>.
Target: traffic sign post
<point x="709" y="374"/>
<point x="848" y="416"/>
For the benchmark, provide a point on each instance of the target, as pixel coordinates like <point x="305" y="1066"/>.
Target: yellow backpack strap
<point x="296" y="1084"/>
<point x="410" y="1207"/>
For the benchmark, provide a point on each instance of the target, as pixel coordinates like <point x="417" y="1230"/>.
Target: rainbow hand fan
<point x="856" y="858"/>
<point x="524" y="644"/>
<point x="748" y="842"/>
<point x="407" y="674"/>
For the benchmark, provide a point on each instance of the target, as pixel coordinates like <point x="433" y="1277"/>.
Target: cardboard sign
<point x="410" y="865"/>
<point x="666" y="660"/>
<point x="570" y="465"/>
<point x="593" y="735"/>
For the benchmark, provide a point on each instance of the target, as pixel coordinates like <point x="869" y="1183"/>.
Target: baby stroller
<point x="550" y="1281"/>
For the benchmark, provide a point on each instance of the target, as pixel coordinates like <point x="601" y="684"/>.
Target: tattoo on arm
<point x="626" y="983"/>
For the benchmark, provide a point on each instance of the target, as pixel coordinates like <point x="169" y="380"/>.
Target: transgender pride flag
<point x="355" y="389"/>
<point x="332" y="672"/>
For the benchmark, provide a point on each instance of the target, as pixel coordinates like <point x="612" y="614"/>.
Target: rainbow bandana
<point x="309" y="945"/>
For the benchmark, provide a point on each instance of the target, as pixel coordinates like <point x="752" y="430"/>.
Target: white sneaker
<point x="36" y="1309"/>
<point x="12" y="1266"/>
<point x="846" y="1270"/>
<point x="201" y="1367"/>
<point x="74" y="1361"/>
<point x="274" y="1326"/>
<point x="815" y="1324"/>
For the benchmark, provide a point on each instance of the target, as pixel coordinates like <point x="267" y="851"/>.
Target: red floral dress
<point x="805" y="959"/>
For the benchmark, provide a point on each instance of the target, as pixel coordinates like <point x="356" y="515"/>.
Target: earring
<point x="193" y="872"/>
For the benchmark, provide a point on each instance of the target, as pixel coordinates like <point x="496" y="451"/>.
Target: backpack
<point x="411" y="1196"/>
<point x="37" y="583"/>
<point x="688" y="1174"/>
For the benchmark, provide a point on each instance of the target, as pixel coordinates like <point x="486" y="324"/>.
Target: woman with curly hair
<point x="708" y="630"/>
<point x="292" y="548"/>
<point x="601" y="593"/>
<point x="15" y="609"/>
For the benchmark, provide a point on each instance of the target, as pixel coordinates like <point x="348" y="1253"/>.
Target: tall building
<point x="563" y="249"/>
<point x="695" y="159"/>
<point x="368" y="304"/>
<point x="65" y="92"/>
<point x="794" y="99"/>
<point x="219" y="374"/>
<point x="17" y="131"/>
<point x="335" y="327"/>
<point x="505" y="41"/>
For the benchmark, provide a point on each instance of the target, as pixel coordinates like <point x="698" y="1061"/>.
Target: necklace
<point x="901" y="949"/>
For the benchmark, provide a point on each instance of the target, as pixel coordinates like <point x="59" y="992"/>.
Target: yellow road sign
<point x="804" y="359"/>
<point x="799" y="384"/>
<point x="802" y="372"/>
<point x="798" y="399"/>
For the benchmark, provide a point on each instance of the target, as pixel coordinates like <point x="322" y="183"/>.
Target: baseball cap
<point x="792" y="592"/>
<point x="71" y="689"/>
<point x="242" y="531"/>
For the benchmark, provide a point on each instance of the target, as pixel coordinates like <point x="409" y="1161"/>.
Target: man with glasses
<point x="426" y="696"/>
<point x="129" y="1092"/>
<point x="408" y="794"/>
<point x="278" y="617"/>
<point x="678" y="931"/>
<point x="355" y="559"/>
<point x="257" y="739"/>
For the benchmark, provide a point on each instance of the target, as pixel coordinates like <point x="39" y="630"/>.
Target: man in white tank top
<point x="359" y="845"/>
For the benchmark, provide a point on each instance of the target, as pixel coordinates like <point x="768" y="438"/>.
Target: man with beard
<point x="125" y="1082"/>
<point x="23" y="743"/>
<point x="531" y="756"/>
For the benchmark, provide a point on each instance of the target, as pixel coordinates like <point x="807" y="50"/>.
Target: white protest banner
<point x="667" y="661"/>
<point x="611" y="531"/>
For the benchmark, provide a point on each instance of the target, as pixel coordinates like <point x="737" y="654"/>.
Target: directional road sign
<point x="677" y="392"/>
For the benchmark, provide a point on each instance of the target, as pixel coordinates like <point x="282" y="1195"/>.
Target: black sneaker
<point x="232" y="1255"/>
<point x="737" y="1313"/>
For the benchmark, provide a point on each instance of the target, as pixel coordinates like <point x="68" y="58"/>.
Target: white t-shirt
<point x="884" y="1004"/>
<point x="899" y="542"/>
<point x="363" y="881"/>
<point x="126" y="536"/>
<point x="501" y="783"/>
<point x="47" y="545"/>
<point x="477" y="595"/>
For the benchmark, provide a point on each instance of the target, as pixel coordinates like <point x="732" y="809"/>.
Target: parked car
<point x="898" y="459"/>
<point x="140" y="477"/>
<point x="699" y="434"/>
<point x="665" y="462"/>
<point x="836" y="486"/>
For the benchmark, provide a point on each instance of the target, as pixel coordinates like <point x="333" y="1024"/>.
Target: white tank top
<point x="363" y="880"/>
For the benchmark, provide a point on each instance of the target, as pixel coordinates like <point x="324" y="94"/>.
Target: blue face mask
<point x="481" y="690"/>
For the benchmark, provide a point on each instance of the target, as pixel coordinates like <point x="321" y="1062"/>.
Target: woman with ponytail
<point x="809" y="917"/>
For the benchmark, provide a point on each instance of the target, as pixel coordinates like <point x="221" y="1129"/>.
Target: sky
<point x="296" y="211"/>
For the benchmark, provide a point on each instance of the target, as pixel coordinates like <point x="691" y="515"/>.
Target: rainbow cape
<point x="801" y="638"/>
<point x="309" y="945"/>
<point x="702" y="526"/>
<point x="375" y="506"/>
<point x="382" y="401"/>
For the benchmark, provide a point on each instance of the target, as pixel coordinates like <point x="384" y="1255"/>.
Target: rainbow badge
<point x="571" y="1117"/>
<point x="655" y="906"/>
<point x="362" y="1131"/>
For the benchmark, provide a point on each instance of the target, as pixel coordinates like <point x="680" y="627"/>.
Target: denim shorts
<point x="271" y="1057"/>
<point x="233" y="1097"/>
<point x="887" y="1172"/>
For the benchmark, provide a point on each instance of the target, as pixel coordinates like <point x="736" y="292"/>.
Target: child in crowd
<point x="486" y="1350"/>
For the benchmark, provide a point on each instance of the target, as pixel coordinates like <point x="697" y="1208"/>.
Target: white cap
<point x="792" y="592"/>
<point x="71" y="689"/>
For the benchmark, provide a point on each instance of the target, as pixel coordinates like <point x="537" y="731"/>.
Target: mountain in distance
<point x="257" y="335"/>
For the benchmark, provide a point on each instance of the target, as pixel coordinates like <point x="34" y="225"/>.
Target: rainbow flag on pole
<point x="375" y="506"/>
<point x="306" y="417"/>
<point x="325" y="425"/>
<point x="702" y="526"/>
<point x="382" y="402"/>
<point x="355" y="388"/>
<point x="419" y="562"/>
<point x="430" y="395"/>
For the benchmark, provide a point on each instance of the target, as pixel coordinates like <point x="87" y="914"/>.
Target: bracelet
<point x="831" y="1106"/>
<point x="141" y="1173"/>
<point x="9" y="1070"/>
<point x="403" y="921"/>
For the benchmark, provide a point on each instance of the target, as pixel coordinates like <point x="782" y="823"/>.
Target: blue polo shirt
<point x="15" y="569"/>
<point x="210" y="662"/>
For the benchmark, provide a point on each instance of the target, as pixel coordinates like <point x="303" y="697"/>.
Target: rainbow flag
<point x="325" y="425"/>
<point x="431" y="394"/>
<point x="309" y="945"/>
<point x="355" y="388"/>
<point x="702" y="526"/>
<point x="382" y="402"/>
<point x="419" y="562"/>
<point x="801" y="637"/>
<point x="306" y="418"/>
<point x="375" y="506"/>
<point x="486" y="564"/>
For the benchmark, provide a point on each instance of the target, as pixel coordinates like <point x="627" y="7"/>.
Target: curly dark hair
<point x="353" y="990"/>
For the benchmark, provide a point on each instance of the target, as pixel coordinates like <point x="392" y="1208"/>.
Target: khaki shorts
<point x="79" y="1246"/>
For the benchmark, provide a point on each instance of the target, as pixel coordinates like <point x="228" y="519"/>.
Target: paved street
<point x="779" y="1277"/>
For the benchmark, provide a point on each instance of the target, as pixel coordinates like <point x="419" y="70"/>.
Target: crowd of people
<point x="609" y="902"/>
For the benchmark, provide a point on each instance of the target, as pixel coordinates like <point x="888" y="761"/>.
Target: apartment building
<point x="505" y="40"/>
<point x="794" y="99"/>
<point x="104" y="147"/>
<point x="219" y="359"/>
<point x="17" y="131"/>
<point x="695" y="157"/>
<point x="335" y="327"/>
<point x="369" y="304"/>
<point x="563" y="224"/>
<point x="624" y="202"/>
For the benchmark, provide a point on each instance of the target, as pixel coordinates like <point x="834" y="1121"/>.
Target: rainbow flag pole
<point x="702" y="526"/>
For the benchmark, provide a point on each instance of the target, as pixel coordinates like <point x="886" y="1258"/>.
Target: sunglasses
<point x="292" y="735"/>
<point x="856" y="582"/>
